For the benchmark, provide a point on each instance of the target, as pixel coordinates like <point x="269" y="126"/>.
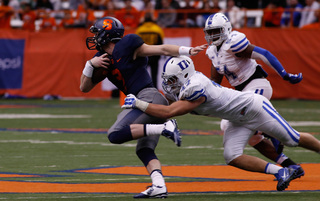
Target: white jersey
<point x="220" y="101"/>
<point x="236" y="69"/>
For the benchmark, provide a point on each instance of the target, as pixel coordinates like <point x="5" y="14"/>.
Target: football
<point x="99" y="74"/>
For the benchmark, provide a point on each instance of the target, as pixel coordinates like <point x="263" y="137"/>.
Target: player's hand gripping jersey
<point x="236" y="69"/>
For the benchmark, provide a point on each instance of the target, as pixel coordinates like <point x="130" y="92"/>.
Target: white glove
<point x="132" y="102"/>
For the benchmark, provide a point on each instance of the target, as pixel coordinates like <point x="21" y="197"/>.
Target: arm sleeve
<point x="269" y="59"/>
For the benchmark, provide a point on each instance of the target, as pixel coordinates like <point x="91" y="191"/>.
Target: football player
<point x="234" y="57"/>
<point x="246" y="113"/>
<point x="124" y="59"/>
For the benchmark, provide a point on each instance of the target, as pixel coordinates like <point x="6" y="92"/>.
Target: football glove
<point x="293" y="78"/>
<point x="131" y="101"/>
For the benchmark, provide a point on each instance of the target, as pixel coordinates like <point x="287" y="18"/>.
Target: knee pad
<point x="146" y="155"/>
<point x="230" y="154"/>
<point x="255" y="139"/>
<point x="121" y="136"/>
<point x="223" y="124"/>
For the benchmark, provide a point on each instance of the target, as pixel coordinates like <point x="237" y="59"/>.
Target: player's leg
<point x="134" y="124"/>
<point x="280" y="129"/>
<point x="146" y="149"/>
<point x="235" y="139"/>
<point x="269" y="147"/>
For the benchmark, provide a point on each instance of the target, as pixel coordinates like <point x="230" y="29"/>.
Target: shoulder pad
<point x="191" y="90"/>
<point x="238" y="42"/>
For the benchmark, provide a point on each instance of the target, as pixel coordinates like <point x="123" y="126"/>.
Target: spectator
<point x="74" y="4"/>
<point x="173" y="3"/>
<point x="188" y="18"/>
<point x="168" y="17"/>
<point x="206" y="11"/>
<point x="148" y="12"/>
<point x="28" y="17"/>
<point x="110" y="9"/>
<point x="308" y="13"/>
<point x="85" y="16"/>
<point x="44" y="5"/>
<point x="234" y="13"/>
<point x="6" y="12"/>
<point x="272" y="14"/>
<point x="129" y="15"/>
<point x="67" y="21"/>
<point x="152" y="34"/>
<point x="292" y="12"/>
<point x="48" y="22"/>
<point x="315" y="24"/>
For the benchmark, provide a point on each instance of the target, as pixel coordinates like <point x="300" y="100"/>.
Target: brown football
<point x="99" y="74"/>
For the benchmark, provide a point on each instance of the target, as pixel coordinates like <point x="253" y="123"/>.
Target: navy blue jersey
<point x="128" y="75"/>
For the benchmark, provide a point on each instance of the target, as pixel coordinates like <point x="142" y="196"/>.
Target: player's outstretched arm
<point x="272" y="61"/>
<point x="177" y="108"/>
<point x="167" y="50"/>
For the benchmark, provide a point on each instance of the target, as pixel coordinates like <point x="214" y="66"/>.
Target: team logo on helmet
<point x="107" y="24"/>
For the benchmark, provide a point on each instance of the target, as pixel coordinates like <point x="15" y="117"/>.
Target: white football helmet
<point x="217" y="29"/>
<point x="176" y="71"/>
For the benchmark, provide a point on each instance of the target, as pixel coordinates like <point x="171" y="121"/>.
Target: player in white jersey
<point x="233" y="56"/>
<point x="246" y="113"/>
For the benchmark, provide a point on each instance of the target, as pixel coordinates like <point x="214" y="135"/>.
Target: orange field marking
<point x="216" y="178"/>
<point x="4" y="175"/>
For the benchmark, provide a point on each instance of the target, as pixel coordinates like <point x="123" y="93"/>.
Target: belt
<point x="259" y="73"/>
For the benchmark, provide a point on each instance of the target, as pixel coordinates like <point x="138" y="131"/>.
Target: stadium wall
<point x="33" y="64"/>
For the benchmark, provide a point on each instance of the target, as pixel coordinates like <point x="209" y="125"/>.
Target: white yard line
<point x="66" y="142"/>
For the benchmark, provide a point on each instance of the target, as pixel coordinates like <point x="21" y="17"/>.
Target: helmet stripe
<point x="165" y="65"/>
<point x="210" y="19"/>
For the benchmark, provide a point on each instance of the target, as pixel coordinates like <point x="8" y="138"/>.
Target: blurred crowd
<point x="40" y="15"/>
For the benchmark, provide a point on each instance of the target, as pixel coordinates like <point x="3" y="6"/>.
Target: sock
<point x="153" y="129"/>
<point x="281" y="158"/>
<point x="157" y="178"/>
<point x="287" y="163"/>
<point x="272" y="168"/>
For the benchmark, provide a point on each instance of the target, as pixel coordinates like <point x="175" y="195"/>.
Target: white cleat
<point x="172" y="132"/>
<point x="153" y="192"/>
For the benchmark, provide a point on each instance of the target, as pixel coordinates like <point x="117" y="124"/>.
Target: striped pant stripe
<point x="293" y="133"/>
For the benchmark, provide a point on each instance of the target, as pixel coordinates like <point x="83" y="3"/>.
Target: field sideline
<point x="58" y="150"/>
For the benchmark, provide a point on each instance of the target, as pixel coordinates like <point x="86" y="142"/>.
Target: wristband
<point x="90" y="62"/>
<point x="88" y="69"/>
<point x="141" y="105"/>
<point x="183" y="50"/>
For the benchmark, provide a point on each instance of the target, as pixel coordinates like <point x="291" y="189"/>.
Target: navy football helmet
<point x="105" y="30"/>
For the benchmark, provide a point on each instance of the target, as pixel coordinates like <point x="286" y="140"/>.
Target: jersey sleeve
<point x="131" y="42"/>
<point x="192" y="90"/>
<point x="239" y="42"/>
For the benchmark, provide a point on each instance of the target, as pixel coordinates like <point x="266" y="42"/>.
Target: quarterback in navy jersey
<point x="124" y="60"/>
<point x="126" y="69"/>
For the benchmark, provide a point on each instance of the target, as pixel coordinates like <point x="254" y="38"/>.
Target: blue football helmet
<point x="105" y="30"/>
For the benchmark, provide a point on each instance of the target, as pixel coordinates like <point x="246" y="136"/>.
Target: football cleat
<point x="284" y="176"/>
<point x="299" y="172"/>
<point x="172" y="132"/>
<point x="153" y="192"/>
